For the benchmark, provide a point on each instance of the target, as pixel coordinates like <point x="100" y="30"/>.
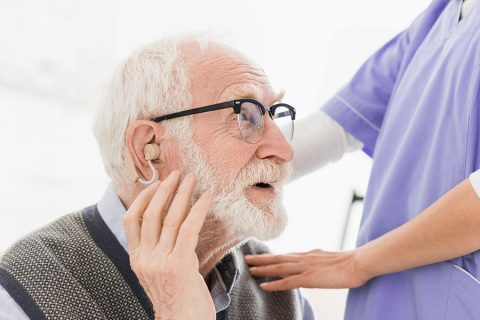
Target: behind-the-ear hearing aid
<point x="151" y="153"/>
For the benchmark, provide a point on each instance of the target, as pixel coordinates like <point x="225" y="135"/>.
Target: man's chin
<point x="262" y="199"/>
<point x="246" y="217"/>
<point x="267" y="222"/>
<point x="275" y="229"/>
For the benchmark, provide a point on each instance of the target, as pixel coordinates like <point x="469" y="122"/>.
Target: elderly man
<point x="177" y="253"/>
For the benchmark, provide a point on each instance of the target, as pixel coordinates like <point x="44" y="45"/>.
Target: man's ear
<point x="142" y="139"/>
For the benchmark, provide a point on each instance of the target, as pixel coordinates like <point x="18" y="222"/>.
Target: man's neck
<point x="213" y="244"/>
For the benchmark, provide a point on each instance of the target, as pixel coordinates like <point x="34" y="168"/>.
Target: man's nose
<point x="273" y="144"/>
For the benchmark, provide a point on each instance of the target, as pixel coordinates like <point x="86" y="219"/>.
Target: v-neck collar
<point x="459" y="23"/>
<point x="468" y="6"/>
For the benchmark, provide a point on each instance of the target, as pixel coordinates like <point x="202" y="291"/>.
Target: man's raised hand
<point x="162" y="231"/>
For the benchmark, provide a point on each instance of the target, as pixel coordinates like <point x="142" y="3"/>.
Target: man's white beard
<point x="240" y="217"/>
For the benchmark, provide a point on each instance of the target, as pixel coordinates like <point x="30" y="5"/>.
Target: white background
<point x="55" y="56"/>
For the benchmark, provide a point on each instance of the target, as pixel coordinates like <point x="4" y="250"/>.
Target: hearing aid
<point x="151" y="153"/>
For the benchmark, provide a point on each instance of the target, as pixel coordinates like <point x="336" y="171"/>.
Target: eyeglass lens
<point x="250" y="122"/>
<point x="283" y="119"/>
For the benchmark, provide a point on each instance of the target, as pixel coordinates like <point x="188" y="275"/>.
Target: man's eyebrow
<point x="253" y="93"/>
<point x="246" y="92"/>
<point x="278" y="97"/>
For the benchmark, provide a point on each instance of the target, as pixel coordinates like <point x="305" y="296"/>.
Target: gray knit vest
<point x="75" y="268"/>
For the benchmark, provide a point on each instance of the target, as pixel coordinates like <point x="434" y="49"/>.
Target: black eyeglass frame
<point x="235" y="104"/>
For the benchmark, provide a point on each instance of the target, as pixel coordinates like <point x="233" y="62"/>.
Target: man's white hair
<point x="153" y="81"/>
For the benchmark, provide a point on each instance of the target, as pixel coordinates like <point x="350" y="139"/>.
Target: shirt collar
<point x="112" y="210"/>
<point x="223" y="277"/>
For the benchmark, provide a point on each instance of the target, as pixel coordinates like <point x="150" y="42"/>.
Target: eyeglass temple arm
<point x="213" y="107"/>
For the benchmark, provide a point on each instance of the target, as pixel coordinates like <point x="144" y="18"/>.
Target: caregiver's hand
<point x="314" y="269"/>
<point x="162" y="232"/>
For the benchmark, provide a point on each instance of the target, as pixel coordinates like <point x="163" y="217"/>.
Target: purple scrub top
<point x="415" y="105"/>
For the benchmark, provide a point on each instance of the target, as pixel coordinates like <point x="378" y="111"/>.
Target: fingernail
<point x="154" y="185"/>
<point x="252" y="269"/>
<point x="191" y="176"/>
<point x="172" y="175"/>
<point x="207" y="194"/>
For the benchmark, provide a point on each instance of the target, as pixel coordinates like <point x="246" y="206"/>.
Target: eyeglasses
<point x="250" y="114"/>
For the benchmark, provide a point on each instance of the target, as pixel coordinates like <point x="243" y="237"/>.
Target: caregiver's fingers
<point x="176" y="214"/>
<point x="132" y="220"/>
<point x="189" y="231"/>
<point x="266" y="259"/>
<point x="155" y="212"/>
<point x="288" y="283"/>
<point x="278" y="270"/>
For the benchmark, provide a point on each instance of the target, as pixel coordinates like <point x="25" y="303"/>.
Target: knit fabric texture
<point x="61" y="271"/>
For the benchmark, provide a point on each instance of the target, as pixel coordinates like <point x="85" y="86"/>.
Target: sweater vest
<point x="75" y="268"/>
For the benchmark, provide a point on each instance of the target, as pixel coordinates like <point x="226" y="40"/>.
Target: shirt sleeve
<point x="475" y="181"/>
<point x="9" y="309"/>
<point x="319" y="140"/>
<point x="360" y="106"/>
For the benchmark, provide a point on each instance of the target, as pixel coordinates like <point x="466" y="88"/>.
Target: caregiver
<point x="414" y="107"/>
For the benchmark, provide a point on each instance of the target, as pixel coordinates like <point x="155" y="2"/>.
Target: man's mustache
<point x="263" y="171"/>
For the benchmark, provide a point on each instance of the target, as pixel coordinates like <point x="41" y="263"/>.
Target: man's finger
<point x="154" y="213"/>
<point x="288" y="283"/>
<point x="277" y="270"/>
<point x="132" y="219"/>
<point x="176" y="214"/>
<point x="267" y="259"/>
<point x="188" y="235"/>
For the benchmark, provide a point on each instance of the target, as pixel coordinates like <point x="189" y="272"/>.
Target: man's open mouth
<point x="263" y="185"/>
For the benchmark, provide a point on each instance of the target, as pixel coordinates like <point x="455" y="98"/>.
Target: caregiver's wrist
<point x="364" y="266"/>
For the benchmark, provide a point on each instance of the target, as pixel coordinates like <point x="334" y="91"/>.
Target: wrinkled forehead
<point x="248" y="90"/>
<point x="220" y="73"/>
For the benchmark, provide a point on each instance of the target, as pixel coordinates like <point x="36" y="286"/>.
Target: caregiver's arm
<point x="449" y="228"/>
<point x="319" y="140"/>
